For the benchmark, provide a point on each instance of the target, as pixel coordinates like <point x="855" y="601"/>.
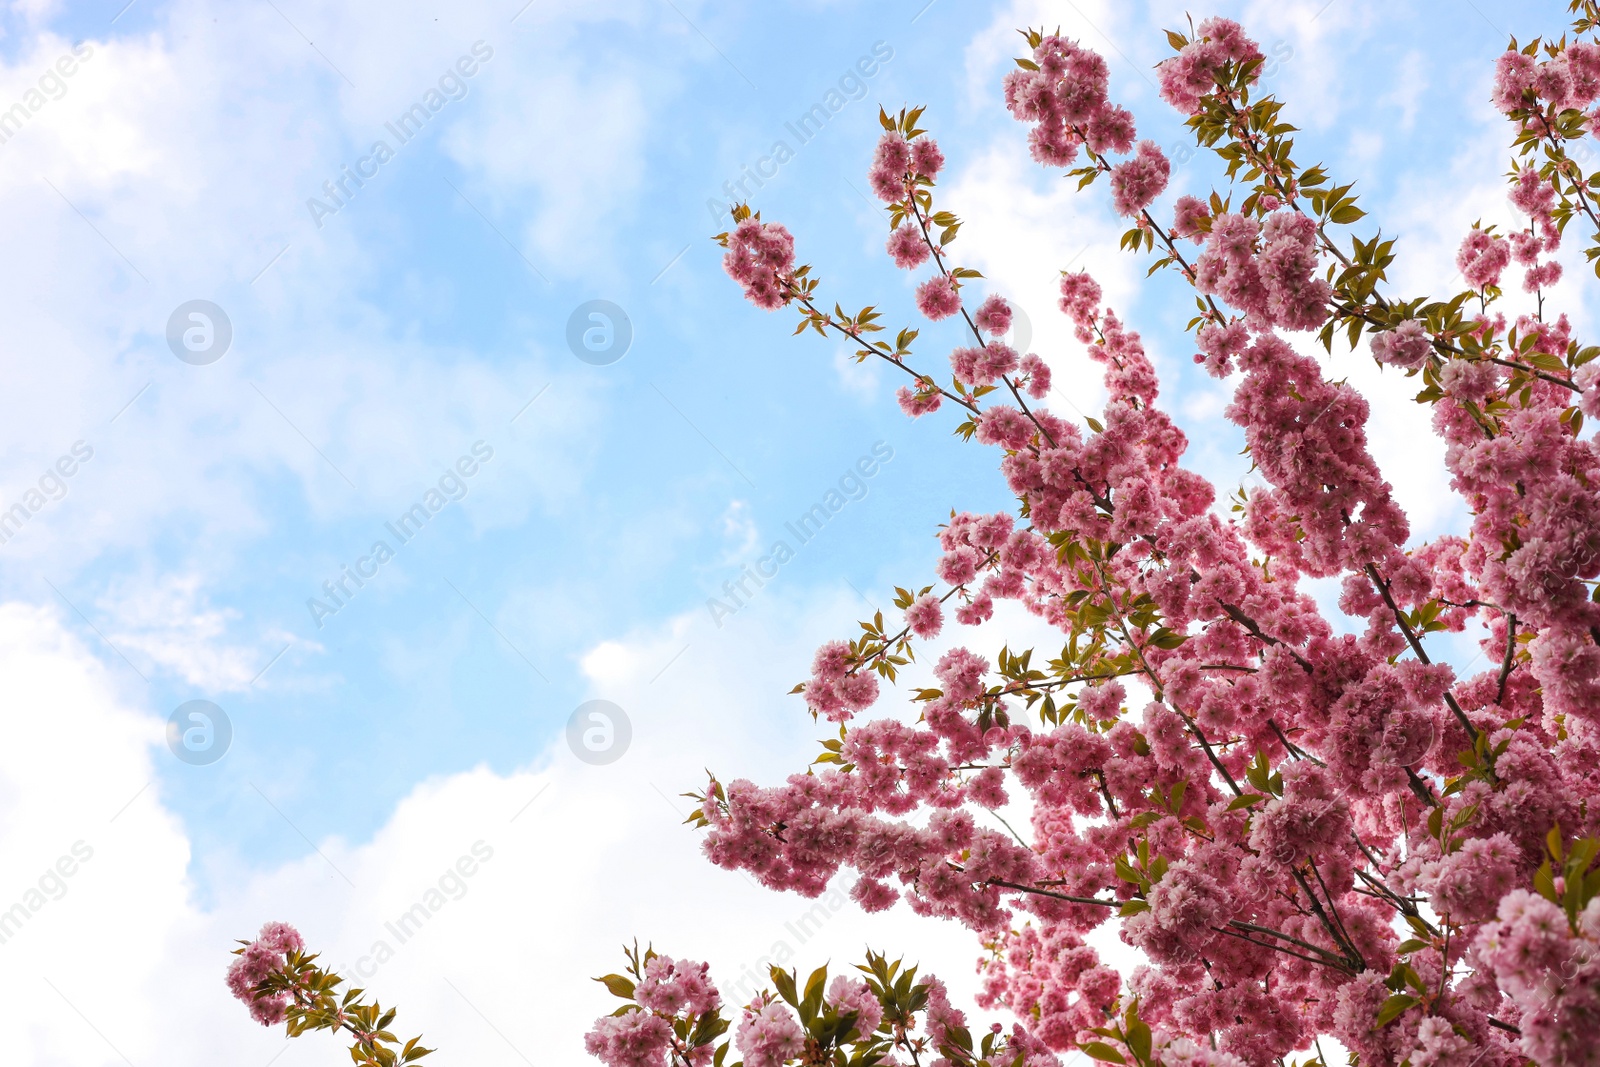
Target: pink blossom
<point x="759" y="257"/>
<point x="890" y="164"/>
<point x="1525" y="247"/>
<point x="1438" y="1045"/>
<point x="1481" y="259"/>
<point x="926" y="159"/>
<point x="281" y="937"/>
<point x="925" y="616"/>
<point x="1542" y="276"/>
<point x="1004" y="426"/>
<point x="907" y="247"/>
<point x="972" y="612"/>
<point x="1468" y="884"/>
<point x="769" y="1037"/>
<point x="1137" y="182"/>
<point x="1191" y="74"/>
<point x="1310" y="817"/>
<point x="1534" y="196"/>
<point x="1080" y="296"/>
<point x="1587" y="379"/>
<point x="918" y="402"/>
<point x="1110" y="129"/>
<point x="999" y="360"/>
<point x="1102" y="702"/>
<point x="1407" y="345"/>
<point x="262" y="957"/>
<point x="670" y="986"/>
<point x="633" y="1039"/>
<point x="993" y="315"/>
<point x="846" y="996"/>
<point x="1221" y="345"/>
<point x="835" y="692"/>
<point x="1037" y="373"/>
<point x="1583" y="68"/>
<point x="1189" y="213"/>
<point x="1185" y="906"/>
<point x="1513" y="75"/>
<point x="938" y="298"/>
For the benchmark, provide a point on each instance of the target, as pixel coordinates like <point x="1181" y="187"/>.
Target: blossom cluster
<point x="260" y="958"/>
<point x="281" y="983"/>
<point x="760" y="256"/>
<point x="892" y="1014"/>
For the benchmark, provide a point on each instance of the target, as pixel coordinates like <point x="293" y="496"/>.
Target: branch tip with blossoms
<point x="281" y="983"/>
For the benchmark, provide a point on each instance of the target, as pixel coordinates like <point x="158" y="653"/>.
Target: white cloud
<point x="1021" y="227"/>
<point x="740" y="534"/>
<point x="583" y="859"/>
<point x="861" y="380"/>
<point x="176" y="165"/>
<point x="166" y="623"/>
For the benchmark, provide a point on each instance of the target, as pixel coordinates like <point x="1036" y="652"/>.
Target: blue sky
<point x="371" y="351"/>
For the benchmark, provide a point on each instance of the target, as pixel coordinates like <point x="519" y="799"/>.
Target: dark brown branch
<point x="1054" y="895"/>
<point x="1416" y="647"/>
<point x="1507" y="662"/>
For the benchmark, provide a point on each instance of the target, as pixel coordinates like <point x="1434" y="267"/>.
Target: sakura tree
<point x="1309" y="835"/>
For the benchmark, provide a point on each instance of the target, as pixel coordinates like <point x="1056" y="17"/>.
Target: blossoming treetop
<point x="1306" y="833"/>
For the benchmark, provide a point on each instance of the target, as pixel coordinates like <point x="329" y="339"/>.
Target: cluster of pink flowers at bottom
<point x="260" y="958"/>
<point x="1550" y="973"/>
<point x="632" y="1039"/>
<point x="769" y="1036"/>
<point x="768" y="1033"/>
<point x="670" y="989"/>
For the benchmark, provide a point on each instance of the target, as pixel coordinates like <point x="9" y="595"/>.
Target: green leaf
<point x="618" y="985"/>
<point x="784" y="981"/>
<point x="1103" y="1052"/>
<point x="814" y="988"/>
<point x="1544" y="882"/>
<point x="1392" y="1008"/>
<point x="1167" y="639"/>
<point x="1139" y="1040"/>
<point x="1245" y="801"/>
